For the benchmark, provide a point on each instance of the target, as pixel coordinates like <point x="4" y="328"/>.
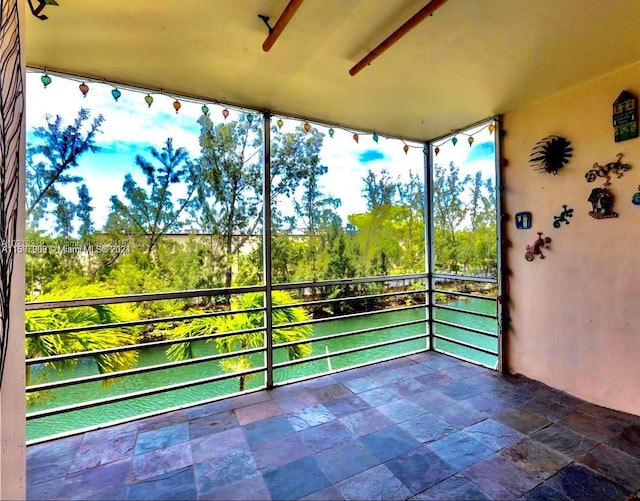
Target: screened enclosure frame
<point x="428" y="291"/>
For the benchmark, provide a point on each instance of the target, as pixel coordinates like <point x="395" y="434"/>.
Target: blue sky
<point x="131" y="127"/>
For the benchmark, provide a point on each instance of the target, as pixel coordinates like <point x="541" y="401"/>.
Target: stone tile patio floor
<point x="425" y="426"/>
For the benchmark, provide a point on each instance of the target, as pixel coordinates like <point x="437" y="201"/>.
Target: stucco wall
<point x="575" y="316"/>
<point x="12" y="402"/>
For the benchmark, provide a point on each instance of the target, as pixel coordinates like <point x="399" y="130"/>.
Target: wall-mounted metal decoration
<point x="601" y="198"/>
<point x="635" y="199"/>
<point x="536" y="249"/>
<point x="625" y="117"/>
<point x="602" y="203"/>
<point x="37" y="10"/>
<point x="605" y="171"/>
<point x="563" y="217"/>
<point x="523" y="220"/>
<point x="551" y="154"/>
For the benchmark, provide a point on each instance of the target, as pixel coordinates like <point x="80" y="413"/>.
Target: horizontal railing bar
<point x="349" y="281"/>
<point x="349" y="367"/>
<point x="133" y="323"/>
<point x="460" y="310"/>
<point x="136" y="417"/>
<point x="139" y="394"/>
<point x="460" y="357"/>
<point x="350" y="333"/>
<point x="352" y="315"/>
<point x="348" y="350"/>
<point x="138" y="298"/>
<point x="190" y="405"/>
<point x="349" y="298"/>
<point x="131" y="347"/>
<point x="464" y="328"/>
<point x="466" y="345"/>
<point x="465" y="278"/>
<point x="138" y="370"/>
<point x="465" y="294"/>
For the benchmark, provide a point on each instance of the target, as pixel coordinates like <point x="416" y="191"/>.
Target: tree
<point x="83" y="211"/>
<point x="64" y="213"/>
<point x="240" y="341"/>
<point x="314" y="210"/>
<point x="228" y="180"/>
<point x="153" y="213"/>
<point x="79" y="341"/>
<point x="379" y="191"/>
<point x="412" y="224"/>
<point x="449" y="212"/>
<point x="227" y="183"/>
<point x="56" y="150"/>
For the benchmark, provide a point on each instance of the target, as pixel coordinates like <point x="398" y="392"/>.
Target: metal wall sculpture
<point x="550" y="154"/>
<point x="11" y="110"/>
<point x="536" y="249"/>
<point x="563" y="217"/>
<point x="601" y="198"/>
<point x="601" y="204"/>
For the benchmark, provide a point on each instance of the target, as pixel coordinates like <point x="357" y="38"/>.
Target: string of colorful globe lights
<point x="116" y="93"/>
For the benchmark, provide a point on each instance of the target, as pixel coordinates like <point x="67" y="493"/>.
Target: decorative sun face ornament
<point x="551" y="154"/>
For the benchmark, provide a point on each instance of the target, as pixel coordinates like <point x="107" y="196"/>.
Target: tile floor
<point x="420" y="427"/>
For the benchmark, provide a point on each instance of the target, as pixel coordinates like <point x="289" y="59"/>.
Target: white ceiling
<point x="470" y="60"/>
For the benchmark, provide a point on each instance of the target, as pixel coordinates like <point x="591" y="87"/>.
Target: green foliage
<point x="83" y="211"/>
<point x="390" y="235"/>
<point x="227" y="184"/>
<point x="153" y="213"/>
<point x="464" y="222"/>
<point x="239" y="322"/>
<point x="57" y="149"/>
<point x="80" y="341"/>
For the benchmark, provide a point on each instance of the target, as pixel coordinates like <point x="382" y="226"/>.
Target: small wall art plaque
<point x="625" y="117"/>
<point x="523" y="220"/>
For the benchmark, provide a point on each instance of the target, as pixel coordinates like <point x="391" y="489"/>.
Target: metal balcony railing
<point x="401" y="324"/>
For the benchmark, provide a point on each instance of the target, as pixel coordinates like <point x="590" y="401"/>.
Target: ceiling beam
<point x="420" y="16"/>
<point x="281" y="24"/>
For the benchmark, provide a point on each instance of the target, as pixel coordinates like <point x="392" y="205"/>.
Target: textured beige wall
<point x="12" y="402"/>
<point x="575" y="316"/>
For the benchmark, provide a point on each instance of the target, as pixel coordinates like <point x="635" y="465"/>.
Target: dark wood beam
<point x="420" y="16"/>
<point x="281" y="24"/>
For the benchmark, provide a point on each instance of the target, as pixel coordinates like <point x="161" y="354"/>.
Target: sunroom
<point x="314" y="249"/>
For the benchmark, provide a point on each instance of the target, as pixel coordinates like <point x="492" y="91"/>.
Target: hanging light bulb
<point x="84" y="88"/>
<point x="356" y="137"/>
<point x="306" y="127"/>
<point x="177" y="106"/>
<point x="225" y="113"/>
<point x="205" y="110"/>
<point x="406" y="149"/>
<point x="249" y="118"/>
<point x="116" y="94"/>
<point x="46" y="80"/>
<point x="279" y="123"/>
<point x="470" y="141"/>
<point x="149" y="100"/>
<point x="375" y="137"/>
<point x="436" y="151"/>
<point x="454" y="140"/>
<point x="491" y="128"/>
<point x="331" y="132"/>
